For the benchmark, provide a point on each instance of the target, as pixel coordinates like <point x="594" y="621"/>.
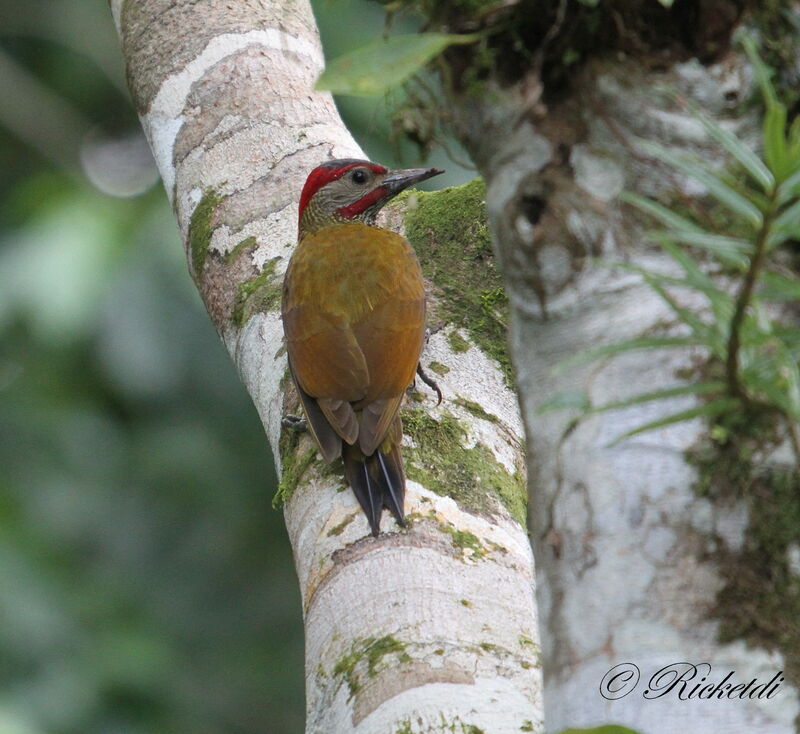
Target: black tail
<point x="378" y="481"/>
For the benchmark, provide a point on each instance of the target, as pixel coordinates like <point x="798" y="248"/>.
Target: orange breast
<point x="354" y="313"/>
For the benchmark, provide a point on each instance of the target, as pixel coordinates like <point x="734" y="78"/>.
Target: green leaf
<point x="746" y="157"/>
<point x="731" y="251"/>
<point x="790" y="187"/>
<point x="370" y="70"/>
<point x="721" y="301"/>
<point x="775" y="144"/>
<point x="664" y="215"/>
<point x="775" y="374"/>
<point x="629" y="345"/>
<point x="761" y="70"/>
<point x="710" y="409"/>
<point x="790" y="372"/>
<point x="790" y="336"/>
<point x="777" y="287"/>
<point x="787" y="223"/>
<point x="696" y="388"/>
<point x="794" y="144"/>
<point x="566" y="399"/>
<point x="702" y="332"/>
<point x="720" y="190"/>
<point x="775" y="151"/>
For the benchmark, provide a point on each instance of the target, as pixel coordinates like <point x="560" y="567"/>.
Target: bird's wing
<point x="341" y="416"/>
<point x="329" y="442"/>
<point x="390" y="337"/>
<point x="325" y="356"/>
<point x="376" y="420"/>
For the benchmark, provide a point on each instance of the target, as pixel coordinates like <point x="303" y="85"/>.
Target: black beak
<point x="396" y="181"/>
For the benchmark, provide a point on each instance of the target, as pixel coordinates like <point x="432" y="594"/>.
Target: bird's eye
<point x="359" y="177"/>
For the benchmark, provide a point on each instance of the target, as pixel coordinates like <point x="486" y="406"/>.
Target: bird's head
<point x="348" y="189"/>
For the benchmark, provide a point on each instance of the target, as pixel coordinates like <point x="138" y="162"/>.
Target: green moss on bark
<point x="476" y="410"/>
<point x="249" y="243"/>
<point x="471" y="476"/>
<point x="457" y="342"/>
<point x="294" y="464"/>
<point x="464" y="540"/>
<point x="257" y="295"/>
<point x="200" y="229"/>
<point x="339" y="529"/>
<point x="760" y="599"/>
<point x="364" y="658"/>
<point x="450" y="235"/>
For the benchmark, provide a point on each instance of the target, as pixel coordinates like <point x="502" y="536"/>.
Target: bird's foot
<point x="294" y="423"/>
<point x="430" y="382"/>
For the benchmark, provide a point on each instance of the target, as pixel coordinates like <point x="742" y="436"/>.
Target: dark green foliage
<point x="145" y="576"/>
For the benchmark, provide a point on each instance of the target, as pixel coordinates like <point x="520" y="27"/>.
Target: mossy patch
<point x="339" y="529"/>
<point x="200" y="229"/>
<point x="464" y="540"/>
<point x="257" y="295"/>
<point x="454" y="727"/>
<point x="370" y="651"/>
<point x="476" y="410"/>
<point x="294" y="464"/>
<point x="449" y="232"/>
<point x="439" y="368"/>
<point x="457" y="342"/>
<point x="760" y="602"/>
<point x="471" y="476"/>
<point x="760" y="599"/>
<point x="248" y="243"/>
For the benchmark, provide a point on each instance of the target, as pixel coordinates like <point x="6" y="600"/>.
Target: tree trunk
<point x="638" y="566"/>
<point x="432" y="628"/>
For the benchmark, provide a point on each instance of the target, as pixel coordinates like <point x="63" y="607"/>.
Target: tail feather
<point x="377" y="481"/>
<point x="394" y="489"/>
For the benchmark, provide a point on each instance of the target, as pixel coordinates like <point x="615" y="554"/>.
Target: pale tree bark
<point x="429" y="629"/>
<point x="634" y="564"/>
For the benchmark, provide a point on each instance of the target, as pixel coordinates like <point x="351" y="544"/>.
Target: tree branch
<point x="429" y="628"/>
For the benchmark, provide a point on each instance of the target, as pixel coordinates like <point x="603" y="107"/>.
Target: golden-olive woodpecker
<point x="354" y="318"/>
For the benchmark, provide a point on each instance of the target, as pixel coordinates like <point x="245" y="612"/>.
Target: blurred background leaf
<point x="146" y="584"/>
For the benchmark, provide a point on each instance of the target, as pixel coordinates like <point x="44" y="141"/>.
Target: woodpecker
<point x="353" y="310"/>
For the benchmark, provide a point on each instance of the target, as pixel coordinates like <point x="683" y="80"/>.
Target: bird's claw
<point x="430" y="382"/>
<point x="294" y="423"/>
